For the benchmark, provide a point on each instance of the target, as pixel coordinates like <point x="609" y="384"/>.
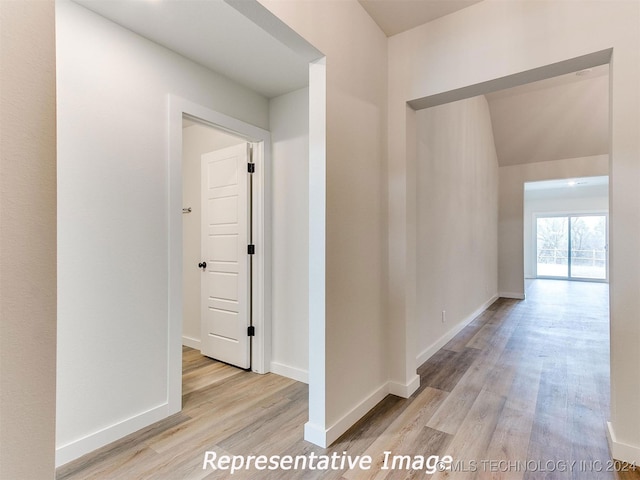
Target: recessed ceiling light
<point x="572" y="183"/>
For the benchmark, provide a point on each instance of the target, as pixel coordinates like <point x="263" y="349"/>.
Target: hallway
<point x="527" y="382"/>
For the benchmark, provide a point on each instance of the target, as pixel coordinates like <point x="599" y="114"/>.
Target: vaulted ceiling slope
<point x="562" y="117"/>
<point x="396" y="16"/>
<point x="553" y="119"/>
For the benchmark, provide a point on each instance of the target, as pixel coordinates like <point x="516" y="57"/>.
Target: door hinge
<point x="251" y="167"/>
<point x="251" y="249"/>
<point x="251" y="331"/>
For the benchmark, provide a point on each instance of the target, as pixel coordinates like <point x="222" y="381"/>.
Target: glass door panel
<point x="589" y="247"/>
<point x="552" y="247"/>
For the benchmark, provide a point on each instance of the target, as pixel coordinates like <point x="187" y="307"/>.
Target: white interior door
<point x="226" y="275"/>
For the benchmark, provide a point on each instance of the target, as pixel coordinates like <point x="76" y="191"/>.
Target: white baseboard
<point x="514" y="295"/>
<point x="621" y="451"/>
<point x="191" y="342"/>
<point x="404" y="391"/>
<point x="290" y="372"/>
<point x="427" y="353"/>
<point x="355" y="414"/>
<point x="89" y="443"/>
<point x="324" y="438"/>
<point x="315" y="434"/>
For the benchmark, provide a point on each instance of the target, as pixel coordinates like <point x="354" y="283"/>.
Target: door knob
<point x="202" y="265"/>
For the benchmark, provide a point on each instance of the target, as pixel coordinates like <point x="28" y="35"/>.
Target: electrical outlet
<point x="444" y="316"/>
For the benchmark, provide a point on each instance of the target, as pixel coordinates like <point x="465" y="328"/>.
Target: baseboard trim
<point x="290" y="372"/>
<point x="77" y="448"/>
<point x="356" y="413"/>
<point x="427" y="353"/>
<point x="315" y="434"/>
<point x="622" y="451"/>
<point x="324" y="438"/>
<point x="404" y="391"/>
<point x="514" y="295"/>
<point x="191" y="342"/>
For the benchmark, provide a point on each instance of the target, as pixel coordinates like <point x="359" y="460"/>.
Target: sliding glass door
<point x="572" y="246"/>
<point x="553" y="247"/>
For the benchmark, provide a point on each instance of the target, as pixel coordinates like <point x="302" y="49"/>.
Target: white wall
<point x="457" y="219"/>
<point x="511" y="211"/>
<point x="289" y="124"/>
<point x="27" y="240"/>
<point x="593" y="199"/>
<point x="113" y="89"/>
<point x="196" y="141"/>
<point x="493" y="40"/>
<point x="355" y="379"/>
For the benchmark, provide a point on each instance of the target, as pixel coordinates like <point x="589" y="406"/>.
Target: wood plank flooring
<point x="520" y="393"/>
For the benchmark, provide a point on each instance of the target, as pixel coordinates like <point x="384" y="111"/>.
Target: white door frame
<point x="261" y="347"/>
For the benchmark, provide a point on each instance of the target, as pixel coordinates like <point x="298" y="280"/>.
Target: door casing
<point x="261" y="223"/>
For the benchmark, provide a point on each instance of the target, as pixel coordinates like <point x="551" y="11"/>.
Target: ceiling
<point x="569" y="188"/>
<point x="568" y="183"/>
<point x="396" y="16"/>
<point x="215" y="35"/>
<point x="562" y="117"/>
<point x="558" y="118"/>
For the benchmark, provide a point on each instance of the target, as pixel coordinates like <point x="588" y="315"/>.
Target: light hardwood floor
<point x="526" y="382"/>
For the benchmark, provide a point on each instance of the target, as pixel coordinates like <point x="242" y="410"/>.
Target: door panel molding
<point x="225" y="232"/>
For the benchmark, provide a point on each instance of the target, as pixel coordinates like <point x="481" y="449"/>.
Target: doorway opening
<point x="566" y="229"/>
<point x="217" y="191"/>
<point x="219" y="245"/>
